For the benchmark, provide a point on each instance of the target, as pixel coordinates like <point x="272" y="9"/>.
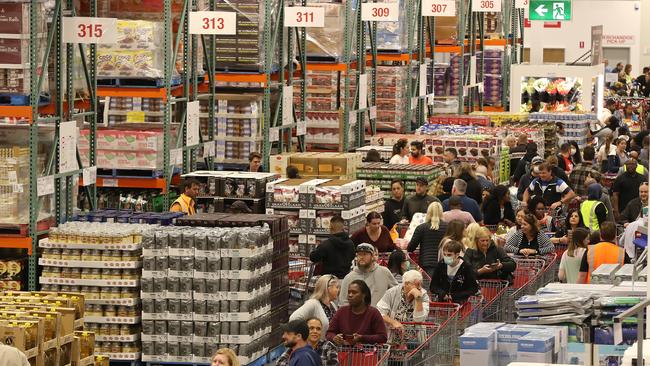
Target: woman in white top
<point x="400" y="152"/>
<point x="608" y="148"/>
<point x="322" y="304"/>
<point x="572" y="257"/>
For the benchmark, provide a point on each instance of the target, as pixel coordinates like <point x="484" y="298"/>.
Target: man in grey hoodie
<point x="378" y="278"/>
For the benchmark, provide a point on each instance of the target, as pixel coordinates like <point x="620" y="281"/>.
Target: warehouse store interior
<point x="324" y="182"/>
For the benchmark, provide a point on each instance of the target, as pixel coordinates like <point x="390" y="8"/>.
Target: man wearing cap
<point x="294" y="337"/>
<point x="378" y="278"/>
<point x="419" y="202"/>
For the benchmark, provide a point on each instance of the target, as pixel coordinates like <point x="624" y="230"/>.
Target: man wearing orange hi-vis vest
<point x="185" y="202"/>
<point x="605" y="252"/>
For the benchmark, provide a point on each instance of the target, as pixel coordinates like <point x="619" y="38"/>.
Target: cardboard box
<point x="579" y="354"/>
<point x="83" y="346"/>
<point x="24" y="335"/>
<point x="306" y="164"/>
<point x="278" y="163"/>
<point x="610" y="355"/>
<point x="478" y="348"/>
<point x="536" y="347"/>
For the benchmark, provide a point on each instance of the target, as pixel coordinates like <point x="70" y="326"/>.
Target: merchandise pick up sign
<point x="550" y="10"/>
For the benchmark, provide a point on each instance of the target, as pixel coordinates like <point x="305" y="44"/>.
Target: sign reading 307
<point x="438" y="8"/>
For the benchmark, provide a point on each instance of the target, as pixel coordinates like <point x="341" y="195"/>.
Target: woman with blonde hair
<point x="488" y="260"/>
<point x="322" y="304"/>
<point x="469" y="239"/>
<point x="225" y="357"/>
<point x="427" y="237"/>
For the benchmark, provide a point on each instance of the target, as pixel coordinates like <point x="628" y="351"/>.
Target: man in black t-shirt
<point x="626" y="187"/>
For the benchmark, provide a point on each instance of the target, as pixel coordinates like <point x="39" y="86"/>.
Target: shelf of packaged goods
<point x="119" y="302"/>
<point x="112" y="320"/>
<point x="143" y="183"/>
<point x="120" y="356"/>
<point x="120" y="338"/>
<point x="11" y="242"/>
<point x="89" y="264"/>
<point x="80" y="282"/>
<point x="158" y="93"/>
<point x="45" y="243"/>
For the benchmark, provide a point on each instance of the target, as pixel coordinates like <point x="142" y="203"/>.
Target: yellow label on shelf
<point x="135" y="117"/>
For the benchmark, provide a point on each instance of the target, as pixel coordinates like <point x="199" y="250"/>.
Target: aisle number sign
<point x="304" y="16"/>
<point x="89" y="30"/>
<point x="438" y="8"/>
<point x="521" y="4"/>
<point x="222" y="23"/>
<point x="486" y="6"/>
<point x="550" y="10"/>
<point x="380" y="12"/>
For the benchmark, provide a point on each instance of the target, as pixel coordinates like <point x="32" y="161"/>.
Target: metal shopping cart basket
<point x="495" y="299"/>
<point x="551" y="266"/>
<point x="527" y="279"/>
<point x="301" y="280"/>
<point x="440" y="347"/>
<point x="471" y="312"/>
<point x="363" y="355"/>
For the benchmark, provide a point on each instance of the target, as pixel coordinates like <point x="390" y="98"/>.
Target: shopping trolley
<point x="363" y="355"/>
<point x="551" y="266"/>
<point x="410" y="344"/>
<point x="527" y="279"/>
<point x="301" y="280"/>
<point x="494" y="295"/>
<point x="471" y="312"/>
<point x="441" y="346"/>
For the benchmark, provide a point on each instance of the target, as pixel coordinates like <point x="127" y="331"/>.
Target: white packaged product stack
<point x="102" y="261"/>
<point x="204" y="289"/>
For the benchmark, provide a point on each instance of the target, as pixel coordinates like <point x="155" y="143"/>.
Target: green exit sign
<point x="550" y="10"/>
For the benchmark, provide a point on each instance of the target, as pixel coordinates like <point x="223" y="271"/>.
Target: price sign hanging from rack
<point x="213" y="22"/>
<point x="304" y="16"/>
<point x="89" y="30"/>
<point x="486" y="6"/>
<point x="438" y="8"/>
<point x="380" y="12"/>
<point x="192" y="122"/>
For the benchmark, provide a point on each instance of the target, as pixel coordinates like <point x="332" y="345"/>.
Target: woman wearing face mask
<point x="374" y="233"/>
<point x="398" y="264"/>
<point x="358" y="322"/>
<point x="529" y="240"/>
<point x="322" y="304"/>
<point x="572" y="257"/>
<point x="488" y="260"/>
<point x="576" y="156"/>
<point x="454" y="279"/>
